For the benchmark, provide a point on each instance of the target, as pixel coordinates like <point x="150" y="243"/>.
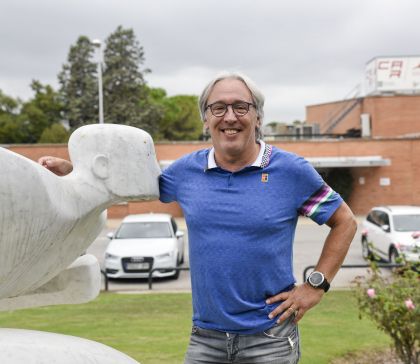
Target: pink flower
<point x="371" y="292"/>
<point x="409" y="304"/>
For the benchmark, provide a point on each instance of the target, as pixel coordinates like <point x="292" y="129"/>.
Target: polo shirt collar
<point x="261" y="161"/>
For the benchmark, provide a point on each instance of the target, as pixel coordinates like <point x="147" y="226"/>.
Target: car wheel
<point x="394" y="256"/>
<point x="366" y="252"/>
<point x="182" y="259"/>
<point x="176" y="275"/>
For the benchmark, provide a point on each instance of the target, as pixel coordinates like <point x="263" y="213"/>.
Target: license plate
<point x="137" y="266"/>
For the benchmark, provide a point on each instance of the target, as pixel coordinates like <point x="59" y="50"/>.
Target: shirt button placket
<point x="230" y="180"/>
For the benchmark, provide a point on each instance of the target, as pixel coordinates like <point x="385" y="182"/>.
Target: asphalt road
<point x="307" y="248"/>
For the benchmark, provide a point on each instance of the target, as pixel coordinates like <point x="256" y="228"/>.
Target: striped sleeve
<point x="321" y="205"/>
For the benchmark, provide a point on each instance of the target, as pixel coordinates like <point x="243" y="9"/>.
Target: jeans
<point x="278" y="345"/>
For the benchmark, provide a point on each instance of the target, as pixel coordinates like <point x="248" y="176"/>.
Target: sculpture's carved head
<point x="122" y="157"/>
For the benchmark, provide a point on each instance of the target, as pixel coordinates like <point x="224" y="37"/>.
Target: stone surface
<point x="79" y="283"/>
<point x="46" y="221"/>
<point x="36" y="347"/>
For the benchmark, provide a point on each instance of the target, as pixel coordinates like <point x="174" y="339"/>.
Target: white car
<point x="144" y="242"/>
<point x="390" y="232"/>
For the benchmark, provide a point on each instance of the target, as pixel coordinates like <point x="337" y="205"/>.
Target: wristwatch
<point x="317" y="280"/>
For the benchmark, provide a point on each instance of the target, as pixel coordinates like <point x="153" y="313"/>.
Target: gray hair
<point x="256" y="94"/>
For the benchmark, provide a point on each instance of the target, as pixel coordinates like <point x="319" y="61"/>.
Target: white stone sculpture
<point x="79" y="283"/>
<point x="47" y="222"/>
<point x="35" y="347"/>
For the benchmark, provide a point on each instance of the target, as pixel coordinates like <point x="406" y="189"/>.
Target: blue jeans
<point x="278" y="345"/>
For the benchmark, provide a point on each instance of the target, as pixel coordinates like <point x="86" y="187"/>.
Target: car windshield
<point x="407" y="222"/>
<point x="144" y="230"/>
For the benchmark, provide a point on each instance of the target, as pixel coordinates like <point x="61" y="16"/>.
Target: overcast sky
<point x="298" y="52"/>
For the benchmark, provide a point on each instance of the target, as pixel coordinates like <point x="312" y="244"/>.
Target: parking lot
<point x="308" y="244"/>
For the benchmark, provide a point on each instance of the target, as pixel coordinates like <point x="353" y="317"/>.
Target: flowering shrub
<point x="393" y="304"/>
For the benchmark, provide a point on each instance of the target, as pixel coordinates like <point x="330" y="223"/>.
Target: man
<point x="241" y="200"/>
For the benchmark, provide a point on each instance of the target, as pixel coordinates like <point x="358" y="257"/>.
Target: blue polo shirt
<point x="241" y="228"/>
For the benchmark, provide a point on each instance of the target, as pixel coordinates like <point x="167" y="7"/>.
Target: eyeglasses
<point x="240" y="108"/>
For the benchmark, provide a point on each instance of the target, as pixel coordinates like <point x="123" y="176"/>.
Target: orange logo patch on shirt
<point x="264" y="177"/>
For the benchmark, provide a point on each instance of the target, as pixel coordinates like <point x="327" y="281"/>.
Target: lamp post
<point x="97" y="43"/>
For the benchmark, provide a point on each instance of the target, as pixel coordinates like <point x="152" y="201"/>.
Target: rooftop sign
<point x="393" y="75"/>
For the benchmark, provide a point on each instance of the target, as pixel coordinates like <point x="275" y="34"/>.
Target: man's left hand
<point x="296" y="302"/>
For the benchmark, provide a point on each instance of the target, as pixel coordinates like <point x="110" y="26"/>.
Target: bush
<point x="393" y="304"/>
<point x="56" y="133"/>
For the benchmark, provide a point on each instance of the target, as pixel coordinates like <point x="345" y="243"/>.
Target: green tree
<point x="12" y="128"/>
<point x="152" y="109"/>
<point x="125" y="94"/>
<point x="176" y="117"/>
<point x="8" y="105"/>
<point x="56" y="133"/>
<point x="79" y="88"/>
<point x="181" y="120"/>
<point x="42" y="111"/>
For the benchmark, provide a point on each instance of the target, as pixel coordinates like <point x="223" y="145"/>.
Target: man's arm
<point x="303" y="297"/>
<point x="58" y="166"/>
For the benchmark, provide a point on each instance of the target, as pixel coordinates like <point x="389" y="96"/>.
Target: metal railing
<point x="379" y="265"/>
<point x="150" y="277"/>
<point x="105" y="279"/>
<point x="305" y="271"/>
<point x="341" y="114"/>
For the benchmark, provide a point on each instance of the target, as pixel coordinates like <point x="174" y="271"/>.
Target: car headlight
<point x="110" y="256"/>
<point x="163" y="256"/>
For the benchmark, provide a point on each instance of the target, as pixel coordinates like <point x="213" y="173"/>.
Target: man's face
<point x="231" y="134"/>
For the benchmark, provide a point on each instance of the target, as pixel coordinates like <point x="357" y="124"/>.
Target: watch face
<point x="316" y="278"/>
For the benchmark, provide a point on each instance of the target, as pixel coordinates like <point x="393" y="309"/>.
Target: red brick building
<point x="396" y="183"/>
<point x="384" y="162"/>
<point x="388" y="121"/>
<point x="389" y="116"/>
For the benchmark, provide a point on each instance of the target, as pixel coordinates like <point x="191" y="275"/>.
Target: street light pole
<point x="97" y="43"/>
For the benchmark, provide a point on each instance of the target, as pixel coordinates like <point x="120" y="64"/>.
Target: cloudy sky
<point x="299" y="52"/>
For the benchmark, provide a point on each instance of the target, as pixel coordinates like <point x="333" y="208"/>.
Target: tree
<point x="79" y="88"/>
<point x="176" y="117"/>
<point x="12" y="128"/>
<point x="42" y="111"/>
<point x="182" y="119"/>
<point x="8" y="105"/>
<point x="56" y="133"/>
<point x="152" y="109"/>
<point x="125" y="93"/>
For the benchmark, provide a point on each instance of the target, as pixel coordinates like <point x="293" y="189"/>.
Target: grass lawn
<point x="154" y="328"/>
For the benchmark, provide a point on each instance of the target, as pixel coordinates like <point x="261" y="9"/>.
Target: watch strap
<point x="325" y="285"/>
